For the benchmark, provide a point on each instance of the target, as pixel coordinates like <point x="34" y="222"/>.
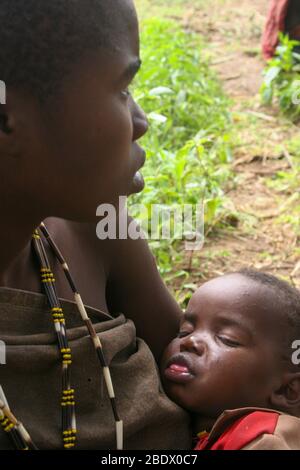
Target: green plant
<point x="287" y="183"/>
<point x="188" y="145"/>
<point x="281" y="79"/>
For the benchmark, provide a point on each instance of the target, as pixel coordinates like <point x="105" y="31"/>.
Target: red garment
<point x="275" y="25"/>
<point x="243" y="431"/>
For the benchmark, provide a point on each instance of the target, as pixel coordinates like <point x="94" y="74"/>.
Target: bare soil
<point x="263" y="236"/>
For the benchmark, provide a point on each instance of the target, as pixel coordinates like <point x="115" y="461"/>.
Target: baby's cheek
<point x="170" y="350"/>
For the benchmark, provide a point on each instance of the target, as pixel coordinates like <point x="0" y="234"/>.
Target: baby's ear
<point x="287" y="397"/>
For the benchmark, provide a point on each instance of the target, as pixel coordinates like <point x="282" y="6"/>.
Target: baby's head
<point x="234" y="348"/>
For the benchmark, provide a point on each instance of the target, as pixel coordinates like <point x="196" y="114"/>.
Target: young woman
<point x="68" y="143"/>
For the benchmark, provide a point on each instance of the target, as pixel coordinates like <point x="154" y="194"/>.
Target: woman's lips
<point x="179" y="369"/>
<point x="140" y="158"/>
<point x="138" y="179"/>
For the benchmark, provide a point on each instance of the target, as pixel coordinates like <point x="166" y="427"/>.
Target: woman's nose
<point x="192" y="344"/>
<point x="140" y="122"/>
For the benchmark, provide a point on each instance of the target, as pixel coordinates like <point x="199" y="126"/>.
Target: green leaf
<point x="271" y="74"/>
<point x="161" y="90"/>
<point x="157" y="118"/>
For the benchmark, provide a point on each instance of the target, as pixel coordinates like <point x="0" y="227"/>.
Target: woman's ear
<point x="287" y="397"/>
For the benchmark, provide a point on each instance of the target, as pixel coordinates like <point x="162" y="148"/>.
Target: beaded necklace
<point x="11" y="425"/>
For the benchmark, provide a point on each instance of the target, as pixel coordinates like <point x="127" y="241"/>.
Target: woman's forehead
<point x="123" y="20"/>
<point x="125" y="39"/>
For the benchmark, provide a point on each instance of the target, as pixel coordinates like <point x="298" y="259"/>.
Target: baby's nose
<point x="192" y="344"/>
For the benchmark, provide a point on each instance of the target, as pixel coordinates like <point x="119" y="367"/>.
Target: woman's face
<point x="86" y="153"/>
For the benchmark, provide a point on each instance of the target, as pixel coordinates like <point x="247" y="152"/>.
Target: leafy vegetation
<point x="282" y="86"/>
<point x="188" y="145"/>
<point x="281" y="79"/>
<point x="287" y="183"/>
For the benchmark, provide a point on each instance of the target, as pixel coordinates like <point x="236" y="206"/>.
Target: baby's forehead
<point x="231" y="287"/>
<point x="234" y="294"/>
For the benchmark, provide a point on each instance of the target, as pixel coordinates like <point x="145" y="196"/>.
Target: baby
<point x="233" y="364"/>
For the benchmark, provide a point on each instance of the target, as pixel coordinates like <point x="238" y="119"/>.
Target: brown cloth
<point x="31" y="379"/>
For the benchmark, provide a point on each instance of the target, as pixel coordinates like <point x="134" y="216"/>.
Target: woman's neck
<point x="15" y="238"/>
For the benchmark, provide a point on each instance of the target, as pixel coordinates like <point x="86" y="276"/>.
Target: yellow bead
<point x="9" y="427"/>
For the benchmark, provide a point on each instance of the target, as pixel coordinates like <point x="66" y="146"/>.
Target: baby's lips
<point x="178" y="368"/>
<point x="180" y="363"/>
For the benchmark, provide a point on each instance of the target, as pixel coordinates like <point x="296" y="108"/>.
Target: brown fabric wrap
<point x="31" y="379"/>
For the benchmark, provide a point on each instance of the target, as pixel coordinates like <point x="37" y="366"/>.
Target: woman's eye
<point x="228" y="341"/>
<point x="126" y="93"/>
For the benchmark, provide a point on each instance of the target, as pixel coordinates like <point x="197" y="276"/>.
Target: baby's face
<point x="225" y="355"/>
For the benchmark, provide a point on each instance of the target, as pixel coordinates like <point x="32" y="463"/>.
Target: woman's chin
<point x="138" y="183"/>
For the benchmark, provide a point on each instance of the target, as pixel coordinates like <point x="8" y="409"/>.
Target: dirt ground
<point x="265" y="237"/>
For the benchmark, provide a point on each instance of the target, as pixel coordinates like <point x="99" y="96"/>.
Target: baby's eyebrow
<point x="227" y="321"/>
<point x="192" y="317"/>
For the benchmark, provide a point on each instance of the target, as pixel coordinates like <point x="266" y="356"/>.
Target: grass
<point x="189" y="142"/>
<point x="281" y="79"/>
<point x="263" y="133"/>
<point x="287" y="183"/>
<point x="163" y="8"/>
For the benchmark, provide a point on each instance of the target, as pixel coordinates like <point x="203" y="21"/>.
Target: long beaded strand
<point x="20" y="438"/>
<point x="15" y="429"/>
<point x="69" y="429"/>
<point x="92" y="333"/>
